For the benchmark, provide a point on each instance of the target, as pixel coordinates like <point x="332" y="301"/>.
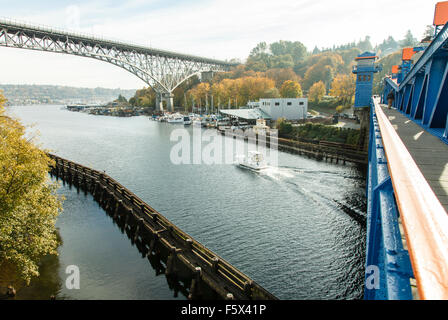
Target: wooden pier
<point x="205" y="274"/>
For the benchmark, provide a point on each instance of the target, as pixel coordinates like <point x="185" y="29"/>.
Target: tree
<point x="259" y="58"/>
<point x="29" y="204"/>
<point x="296" y="50"/>
<point x="409" y="40"/>
<point x="121" y="99"/>
<point x="317" y="91"/>
<point x="238" y="91"/>
<point x="343" y="87"/>
<point x="365" y="45"/>
<point x="284" y="128"/>
<point x="318" y="72"/>
<point x="282" y="61"/>
<point x="281" y="75"/>
<point x="321" y="67"/>
<point x="388" y="46"/>
<point x="271" y="93"/>
<point x="429" y="32"/>
<point x="291" y="89"/>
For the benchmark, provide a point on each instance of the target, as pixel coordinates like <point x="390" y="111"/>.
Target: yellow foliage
<point x="238" y="91"/>
<point x="291" y="89"/>
<point x="317" y="91"/>
<point x="28" y="201"/>
<point x="339" y="109"/>
<point x="343" y="87"/>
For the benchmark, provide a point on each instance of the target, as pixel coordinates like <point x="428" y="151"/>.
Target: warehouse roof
<point x="247" y="114"/>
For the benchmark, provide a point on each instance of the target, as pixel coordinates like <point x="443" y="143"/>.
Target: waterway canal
<point x="297" y="230"/>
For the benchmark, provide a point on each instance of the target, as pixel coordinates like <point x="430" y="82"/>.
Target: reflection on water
<point x="298" y="230"/>
<point x="45" y="286"/>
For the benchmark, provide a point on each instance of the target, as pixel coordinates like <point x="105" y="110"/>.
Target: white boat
<point x="176" y="119"/>
<point x="197" y="122"/>
<point x="187" y="121"/>
<point x="254" y="161"/>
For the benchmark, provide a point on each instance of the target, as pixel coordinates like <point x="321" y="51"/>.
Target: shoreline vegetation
<point x="29" y="206"/>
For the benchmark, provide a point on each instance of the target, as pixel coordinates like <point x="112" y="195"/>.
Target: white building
<point x="290" y="109"/>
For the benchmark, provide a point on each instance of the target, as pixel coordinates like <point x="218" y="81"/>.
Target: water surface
<point x="297" y="229"/>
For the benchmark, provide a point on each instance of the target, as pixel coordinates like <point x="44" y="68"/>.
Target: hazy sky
<point x="220" y="29"/>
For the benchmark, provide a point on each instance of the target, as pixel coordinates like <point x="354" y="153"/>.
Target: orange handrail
<point x="425" y="221"/>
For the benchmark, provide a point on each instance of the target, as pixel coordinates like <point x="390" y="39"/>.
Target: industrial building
<point x="272" y="109"/>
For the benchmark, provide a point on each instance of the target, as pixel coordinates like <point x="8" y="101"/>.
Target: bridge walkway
<point x="429" y="152"/>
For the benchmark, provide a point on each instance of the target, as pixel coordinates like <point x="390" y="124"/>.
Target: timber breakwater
<point x="205" y="275"/>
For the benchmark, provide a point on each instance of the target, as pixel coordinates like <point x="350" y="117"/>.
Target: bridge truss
<point x="423" y="94"/>
<point x="162" y="70"/>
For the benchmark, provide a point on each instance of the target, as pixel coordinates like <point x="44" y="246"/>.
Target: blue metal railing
<point x="385" y="253"/>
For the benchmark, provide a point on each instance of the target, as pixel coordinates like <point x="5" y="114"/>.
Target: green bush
<point x="284" y="128"/>
<point x="312" y="131"/>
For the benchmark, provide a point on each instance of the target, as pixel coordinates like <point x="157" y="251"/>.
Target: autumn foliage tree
<point x="343" y="88"/>
<point x="29" y="204"/>
<point x="236" y="91"/>
<point x="291" y="89"/>
<point x="281" y="75"/>
<point x="317" y="91"/>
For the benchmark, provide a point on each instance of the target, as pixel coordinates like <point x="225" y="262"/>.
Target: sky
<point x="220" y="29"/>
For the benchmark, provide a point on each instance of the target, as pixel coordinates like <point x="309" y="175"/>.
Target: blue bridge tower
<point x="364" y="69"/>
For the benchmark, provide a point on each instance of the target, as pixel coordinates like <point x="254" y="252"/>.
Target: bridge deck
<point x="429" y="153"/>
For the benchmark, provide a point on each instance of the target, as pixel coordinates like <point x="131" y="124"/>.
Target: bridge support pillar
<point x="169" y="97"/>
<point x="166" y="97"/>
<point x="159" y="104"/>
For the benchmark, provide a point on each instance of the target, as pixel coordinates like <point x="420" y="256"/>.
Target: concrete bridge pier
<point x="159" y="103"/>
<point x="168" y="97"/>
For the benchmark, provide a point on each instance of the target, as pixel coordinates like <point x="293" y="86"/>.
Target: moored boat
<point x="187" y="121"/>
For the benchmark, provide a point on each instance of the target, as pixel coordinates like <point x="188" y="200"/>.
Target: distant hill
<point x="48" y="94"/>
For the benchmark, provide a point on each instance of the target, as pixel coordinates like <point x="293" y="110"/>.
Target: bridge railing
<point x="397" y="190"/>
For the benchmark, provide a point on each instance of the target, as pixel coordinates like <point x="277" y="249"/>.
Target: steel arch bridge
<point x="162" y="70"/>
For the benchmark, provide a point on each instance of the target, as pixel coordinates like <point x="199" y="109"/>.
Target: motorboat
<point x="187" y="121"/>
<point x="176" y="119"/>
<point x="254" y="161"/>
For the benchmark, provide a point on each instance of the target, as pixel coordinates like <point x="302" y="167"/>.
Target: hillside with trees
<point x="287" y="69"/>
